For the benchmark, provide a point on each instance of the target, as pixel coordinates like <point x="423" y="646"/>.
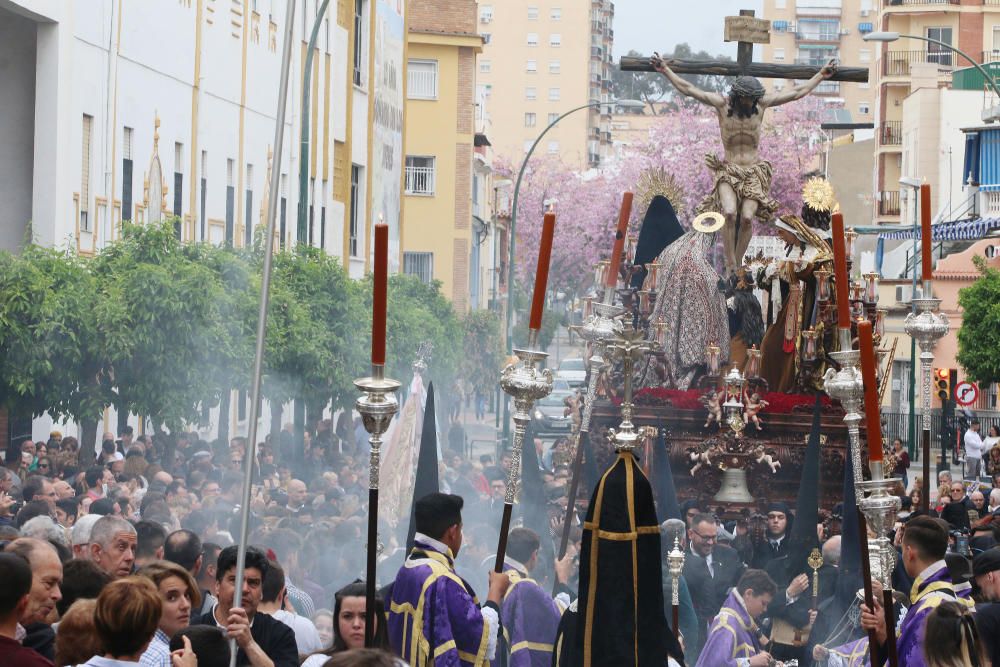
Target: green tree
<point x="653" y="87"/>
<point x="171" y="318"/>
<point x="482" y="352"/>
<point x="979" y="336"/>
<point x="58" y="336"/>
<point x="314" y="323"/>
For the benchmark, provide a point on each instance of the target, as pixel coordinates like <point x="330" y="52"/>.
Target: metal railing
<point x="993" y="55"/>
<point x="891" y="133"/>
<point x="898" y="63"/>
<point x="819" y="36"/>
<point x="419" y="180"/>
<point x="828" y="88"/>
<point x="901" y="3"/>
<point x="888" y="203"/>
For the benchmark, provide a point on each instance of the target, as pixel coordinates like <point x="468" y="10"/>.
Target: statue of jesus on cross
<point x="742" y="189"/>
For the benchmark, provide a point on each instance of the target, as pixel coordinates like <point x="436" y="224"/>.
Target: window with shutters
<point x="88" y="122"/>
<point x="532" y="39"/>
<point x="485" y="66"/>
<point x="530" y="93"/>
<point x="533" y="13"/>
<point x="127" y="173"/>
<point x="554" y="67"/>
<point x="422" y="79"/>
<point x="354" y="210"/>
<point x="531" y="66"/>
<point x="556" y="14"/>
<point x="555" y="39"/>
<point x="554" y="94"/>
<point x="530" y="119"/>
<point x="419" y="264"/>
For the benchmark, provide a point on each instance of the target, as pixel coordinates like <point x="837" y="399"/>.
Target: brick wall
<point x="460" y="276"/>
<point x="463" y="185"/>
<point x="447" y="16"/>
<point x="466" y="87"/>
<point x="970" y="33"/>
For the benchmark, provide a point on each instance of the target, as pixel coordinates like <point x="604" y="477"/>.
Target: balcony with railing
<point x="898" y="63"/>
<point x="832" y="36"/>
<point x="828" y="88"/>
<point x="891" y="133"/>
<point x="910" y="3"/>
<point x="419" y="180"/>
<point x="888" y="203"/>
<point x="994" y="55"/>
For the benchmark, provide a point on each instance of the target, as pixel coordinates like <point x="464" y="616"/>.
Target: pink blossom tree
<point x="587" y="204"/>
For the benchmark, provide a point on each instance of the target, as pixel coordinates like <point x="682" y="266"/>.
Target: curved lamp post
<point x="893" y="36"/>
<point x="629" y="104"/>
<point x="301" y="235"/>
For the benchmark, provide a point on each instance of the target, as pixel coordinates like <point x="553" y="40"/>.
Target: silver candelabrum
<point x="846" y="386"/>
<point x="628" y="343"/>
<point x="377" y="406"/>
<point x="927" y="326"/>
<point x="525" y="382"/>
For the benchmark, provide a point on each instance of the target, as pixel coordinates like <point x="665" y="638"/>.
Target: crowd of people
<point x="131" y="559"/>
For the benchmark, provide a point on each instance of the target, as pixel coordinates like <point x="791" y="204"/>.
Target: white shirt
<point x="306" y="636"/>
<point x="973" y="445"/>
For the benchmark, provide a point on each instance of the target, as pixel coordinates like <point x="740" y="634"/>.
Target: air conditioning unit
<point x="844" y="32"/>
<point x="866" y="12"/>
<point x="903" y="293"/>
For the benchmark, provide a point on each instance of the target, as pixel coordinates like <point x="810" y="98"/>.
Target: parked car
<point x="550" y="414"/>
<point x="573" y="370"/>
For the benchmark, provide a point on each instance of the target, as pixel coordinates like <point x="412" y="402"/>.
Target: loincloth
<point x="753" y="182"/>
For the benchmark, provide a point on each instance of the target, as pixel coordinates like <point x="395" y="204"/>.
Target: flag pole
<point x="250" y="456"/>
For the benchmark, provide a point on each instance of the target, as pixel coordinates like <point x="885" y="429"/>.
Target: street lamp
<point x="301" y="235"/>
<point x="893" y="36"/>
<point x="628" y="104"/>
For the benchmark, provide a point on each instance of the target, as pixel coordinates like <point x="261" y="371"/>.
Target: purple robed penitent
<point x="932" y="587"/>
<point x="434" y="618"/>
<point x="733" y="635"/>
<point x="530" y="619"/>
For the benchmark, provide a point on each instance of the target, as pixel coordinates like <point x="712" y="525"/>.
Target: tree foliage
<point x="164" y="329"/>
<point x="653" y="87"/>
<point x="979" y="336"/>
<point x="587" y="204"/>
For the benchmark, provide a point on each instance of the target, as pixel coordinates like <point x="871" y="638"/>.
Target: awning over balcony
<point x="956" y="230"/>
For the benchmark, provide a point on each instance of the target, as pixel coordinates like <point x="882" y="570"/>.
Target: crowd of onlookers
<point x="130" y="555"/>
<point x="165" y="529"/>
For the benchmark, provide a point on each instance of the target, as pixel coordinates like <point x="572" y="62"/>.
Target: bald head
<point x="162" y="476"/>
<point x="46" y="578"/>
<point x="296" y="493"/>
<point x="831" y="551"/>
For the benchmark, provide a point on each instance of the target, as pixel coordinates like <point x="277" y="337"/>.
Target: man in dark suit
<point x="710" y="570"/>
<point x="775" y="543"/>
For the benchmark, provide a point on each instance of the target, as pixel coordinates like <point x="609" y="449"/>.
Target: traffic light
<point x="942" y="383"/>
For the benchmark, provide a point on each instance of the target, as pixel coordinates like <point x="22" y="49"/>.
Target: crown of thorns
<point x="747" y="86"/>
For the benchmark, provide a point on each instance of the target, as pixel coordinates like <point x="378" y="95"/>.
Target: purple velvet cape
<point x="930" y="589"/>
<point x="434" y="618"/>
<point x="530" y="619"/>
<point x="733" y="635"/>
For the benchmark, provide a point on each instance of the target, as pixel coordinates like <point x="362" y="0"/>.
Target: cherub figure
<point x="763" y="457"/>
<point x="712" y="402"/>
<point x="754" y="404"/>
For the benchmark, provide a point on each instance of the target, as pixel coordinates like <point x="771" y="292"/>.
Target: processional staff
<point x="250" y="457"/>
<point x="526" y="383"/>
<point x="594" y="331"/>
<point x="377" y="407"/>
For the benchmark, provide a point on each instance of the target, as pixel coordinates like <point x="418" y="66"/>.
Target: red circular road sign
<point x="966" y="393"/>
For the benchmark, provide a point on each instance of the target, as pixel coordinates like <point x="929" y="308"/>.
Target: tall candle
<point x="542" y="271"/>
<point x="873" y="418"/>
<point x="616" y="254"/>
<point x="925" y="232"/>
<point x="841" y="283"/>
<point x="378" y="295"/>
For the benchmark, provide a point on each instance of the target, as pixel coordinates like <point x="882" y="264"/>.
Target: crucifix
<point x="742" y="184"/>
<point x="746" y="31"/>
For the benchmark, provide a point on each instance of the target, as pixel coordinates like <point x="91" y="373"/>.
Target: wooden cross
<point x="746" y="31"/>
